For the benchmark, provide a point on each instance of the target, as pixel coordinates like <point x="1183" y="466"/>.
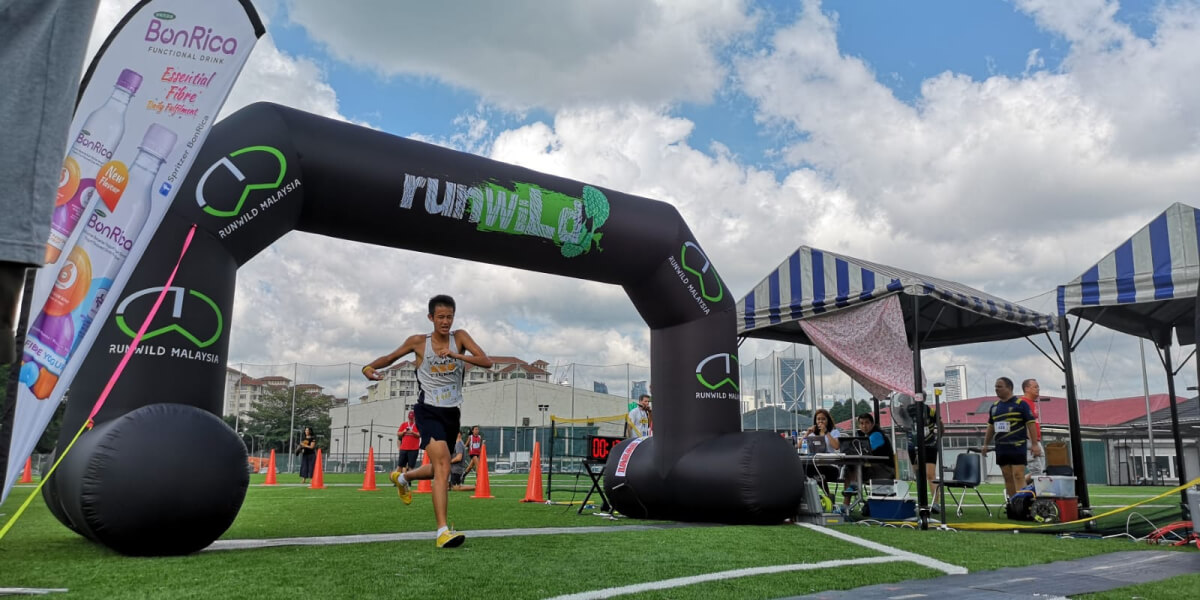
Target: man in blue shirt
<point x="1011" y="423"/>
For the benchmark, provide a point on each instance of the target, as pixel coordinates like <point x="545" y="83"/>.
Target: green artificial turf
<point x="41" y="553"/>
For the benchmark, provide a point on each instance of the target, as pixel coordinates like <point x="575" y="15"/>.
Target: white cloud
<point x="528" y="53"/>
<point x="1011" y="184"/>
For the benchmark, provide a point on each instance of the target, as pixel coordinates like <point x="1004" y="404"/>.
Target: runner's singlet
<point x="440" y="377"/>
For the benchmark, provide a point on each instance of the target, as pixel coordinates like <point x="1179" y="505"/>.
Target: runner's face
<point x="443" y="318"/>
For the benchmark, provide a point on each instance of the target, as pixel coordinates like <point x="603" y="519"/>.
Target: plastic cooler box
<point x="1054" y="486"/>
<point x="892" y="510"/>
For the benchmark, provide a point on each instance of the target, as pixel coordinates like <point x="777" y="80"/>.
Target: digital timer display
<point x="600" y="445"/>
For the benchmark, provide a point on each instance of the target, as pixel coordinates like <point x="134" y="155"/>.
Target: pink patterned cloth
<point x="869" y="343"/>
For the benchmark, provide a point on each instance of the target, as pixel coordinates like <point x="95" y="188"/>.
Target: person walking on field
<point x="410" y="443"/>
<point x="442" y="357"/>
<point x="474" y="449"/>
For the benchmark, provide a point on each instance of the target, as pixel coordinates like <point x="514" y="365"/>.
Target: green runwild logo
<point x="231" y="166"/>
<point x="571" y="223"/>
<point x="178" y="296"/>
<point x="722" y="371"/>
<point x="711" y="288"/>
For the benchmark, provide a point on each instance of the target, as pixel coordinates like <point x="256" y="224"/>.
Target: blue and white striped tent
<point x="1147" y="286"/>
<point x="812" y="282"/>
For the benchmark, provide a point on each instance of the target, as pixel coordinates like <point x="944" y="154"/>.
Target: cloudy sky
<point x="1005" y="145"/>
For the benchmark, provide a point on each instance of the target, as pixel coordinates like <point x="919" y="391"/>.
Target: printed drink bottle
<point x="112" y="227"/>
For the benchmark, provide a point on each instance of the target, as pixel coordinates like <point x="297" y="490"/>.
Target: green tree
<point x="271" y="415"/>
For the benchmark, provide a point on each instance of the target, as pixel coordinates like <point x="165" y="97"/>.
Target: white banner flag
<point x="148" y="102"/>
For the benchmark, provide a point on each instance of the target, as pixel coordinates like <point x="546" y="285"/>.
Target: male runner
<point x="441" y="360"/>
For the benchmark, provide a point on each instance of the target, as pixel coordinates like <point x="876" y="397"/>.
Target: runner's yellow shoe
<point x="450" y="539"/>
<point x="405" y="493"/>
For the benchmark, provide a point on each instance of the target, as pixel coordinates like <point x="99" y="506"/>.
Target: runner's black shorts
<point x="1006" y="458"/>
<point x="438" y="423"/>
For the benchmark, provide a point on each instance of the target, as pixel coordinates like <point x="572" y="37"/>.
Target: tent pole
<point x="1081" y="489"/>
<point x="919" y="439"/>
<point x="1165" y="352"/>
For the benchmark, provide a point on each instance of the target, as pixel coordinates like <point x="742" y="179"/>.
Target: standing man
<point x="1012" y="425"/>
<point x="441" y="360"/>
<point x="1035" y="459"/>
<point x="640" y="421"/>
<point x="410" y="443"/>
<point x="933" y="434"/>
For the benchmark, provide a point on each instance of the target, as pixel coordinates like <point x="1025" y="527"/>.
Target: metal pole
<point x="292" y="427"/>
<point x="1166" y="354"/>
<point x="237" y="400"/>
<point x="1081" y="490"/>
<point x="346" y="424"/>
<point x="812" y="382"/>
<point x="572" y="390"/>
<point x="1149" y="420"/>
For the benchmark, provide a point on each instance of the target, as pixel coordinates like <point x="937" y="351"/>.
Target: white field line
<point x="331" y="540"/>
<point x="924" y="561"/>
<point x="720" y="576"/>
<point x="31" y="591"/>
<point x="893" y="555"/>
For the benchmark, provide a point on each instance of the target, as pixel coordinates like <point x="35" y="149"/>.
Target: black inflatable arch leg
<point x="161" y="480"/>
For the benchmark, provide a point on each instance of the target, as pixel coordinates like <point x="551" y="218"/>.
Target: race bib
<point x="1001" y="426"/>
<point x="447" y="395"/>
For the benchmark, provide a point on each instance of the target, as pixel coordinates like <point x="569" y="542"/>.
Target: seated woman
<point x="823" y="428"/>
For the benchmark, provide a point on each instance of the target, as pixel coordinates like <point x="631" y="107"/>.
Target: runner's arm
<point x="476" y="357"/>
<point x="410" y="345"/>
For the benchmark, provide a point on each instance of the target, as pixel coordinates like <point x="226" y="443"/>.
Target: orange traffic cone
<point x="482" y="488"/>
<point x="369" y="475"/>
<point x="271" y="469"/>
<point x="27" y="476"/>
<point x="318" y="478"/>
<point x="533" y="489"/>
<point x="426" y="485"/>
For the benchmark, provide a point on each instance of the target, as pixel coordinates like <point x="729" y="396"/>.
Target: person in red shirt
<point x="410" y="444"/>
<point x="474" y="447"/>
<point x="1036" y="458"/>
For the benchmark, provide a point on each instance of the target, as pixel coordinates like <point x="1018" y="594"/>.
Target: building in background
<point x="599" y="387"/>
<point x="400" y="379"/>
<point x="956" y="383"/>
<point x="791" y="383"/>
<point x="639" y="388"/>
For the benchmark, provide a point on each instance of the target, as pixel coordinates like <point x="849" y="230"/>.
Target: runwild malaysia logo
<point x="697" y="274"/>
<point x="718" y="374"/>
<point x="176" y="300"/>
<point x="571" y="223"/>
<point x="253" y="159"/>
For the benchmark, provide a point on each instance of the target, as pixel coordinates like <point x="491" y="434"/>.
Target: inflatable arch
<point x="161" y="474"/>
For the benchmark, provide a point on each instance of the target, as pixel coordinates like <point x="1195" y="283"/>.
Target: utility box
<point x="1053" y="486"/>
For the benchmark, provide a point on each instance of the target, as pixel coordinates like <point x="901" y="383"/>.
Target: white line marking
<point x="719" y="576"/>
<point x="907" y="596"/>
<point x="924" y="561"/>
<point x="331" y="540"/>
<point x="31" y="591"/>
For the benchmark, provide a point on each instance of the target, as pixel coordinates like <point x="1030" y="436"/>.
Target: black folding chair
<point x="968" y="474"/>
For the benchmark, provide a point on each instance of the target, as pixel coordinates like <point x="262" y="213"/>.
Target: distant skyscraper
<point x="599" y="387"/>
<point x="956" y="383"/>
<point x="639" y="388"/>
<point x="791" y="383"/>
